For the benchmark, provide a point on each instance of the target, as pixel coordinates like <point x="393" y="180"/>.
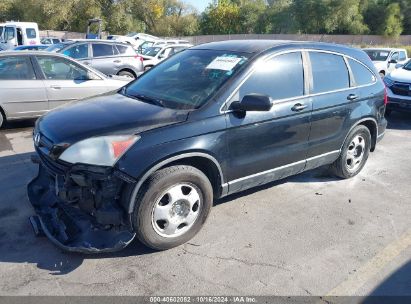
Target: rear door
<point x="265" y="146"/>
<point x="67" y="81"/>
<point x="105" y="58"/>
<point x="22" y="95"/>
<point x="333" y="99"/>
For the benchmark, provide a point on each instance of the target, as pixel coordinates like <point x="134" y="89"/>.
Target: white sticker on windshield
<point x="383" y="54"/>
<point x="223" y="63"/>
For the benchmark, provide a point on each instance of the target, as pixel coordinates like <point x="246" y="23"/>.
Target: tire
<point x="126" y="74"/>
<point x="354" y="153"/>
<point x="382" y="74"/>
<point x="2" y="119"/>
<point x="168" y="211"/>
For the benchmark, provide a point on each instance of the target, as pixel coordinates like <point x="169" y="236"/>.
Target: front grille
<point x="54" y="167"/>
<point x="401" y="88"/>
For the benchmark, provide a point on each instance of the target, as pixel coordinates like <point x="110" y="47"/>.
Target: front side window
<point x="102" y="50"/>
<point x="281" y="77"/>
<point x="188" y="79"/>
<point x="16" y="68"/>
<point x="395" y="56"/>
<point x="79" y="51"/>
<point x="329" y="71"/>
<point x="362" y="75"/>
<point x="61" y="69"/>
<point x="31" y="33"/>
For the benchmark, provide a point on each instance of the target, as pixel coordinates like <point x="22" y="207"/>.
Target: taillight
<point x="385" y="95"/>
<point x="139" y="58"/>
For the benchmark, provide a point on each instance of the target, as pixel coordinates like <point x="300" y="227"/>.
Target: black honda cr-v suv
<point x="216" y="119"/>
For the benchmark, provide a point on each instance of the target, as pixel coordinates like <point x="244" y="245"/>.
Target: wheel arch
<point x="372" y="126"/>
<point x="202" y="161"/>
<point x="127" y="70"/>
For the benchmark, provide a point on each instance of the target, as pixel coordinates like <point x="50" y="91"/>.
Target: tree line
<point x="176" y="18"/>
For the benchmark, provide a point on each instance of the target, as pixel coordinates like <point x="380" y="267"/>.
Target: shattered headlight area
<point x="79" y="207"/>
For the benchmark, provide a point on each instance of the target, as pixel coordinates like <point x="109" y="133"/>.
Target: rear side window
<point x="362" y="75"/>
<point x="79" y="51"/>
<point x="102" y="50"/>
<point x="125" y="50"/>
<point x="16" y="68"/>
<point x="31" y="33"/>
<point x="330" y="72"/>
<point x="281" y="77"/>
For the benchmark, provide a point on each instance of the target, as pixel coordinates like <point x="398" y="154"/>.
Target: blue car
<point x="31" y="47"/>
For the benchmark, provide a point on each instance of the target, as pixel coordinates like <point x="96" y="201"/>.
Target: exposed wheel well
<point x="373" y="130"/>
<point x="207" y="166"/>
<point x="127" y="70"/>
<point x="3" y="114"/>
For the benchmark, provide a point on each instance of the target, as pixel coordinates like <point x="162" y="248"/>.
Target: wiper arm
<point x="151" y="100"/>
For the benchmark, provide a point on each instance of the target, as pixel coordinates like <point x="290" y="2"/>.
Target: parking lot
<point x="307" y="235"/>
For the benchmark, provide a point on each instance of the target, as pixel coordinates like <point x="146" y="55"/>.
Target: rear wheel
<point x="126" y="74"/>
<point x="2" y="119"/>
<point x="354" y="153"/>
<point x="172" y="206"/>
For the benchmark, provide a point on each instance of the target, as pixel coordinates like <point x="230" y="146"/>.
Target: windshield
<point x="151" y="51"/>
<point x="56" y="47"/>
<point x="188" y="79"/>
<point x="407" y="66"/>
<point x="378" y="55"/>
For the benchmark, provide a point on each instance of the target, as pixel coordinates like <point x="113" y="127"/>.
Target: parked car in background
<point x="387" y="59"/>
<point x="147" y="44"/>
<point x="107" y="56"/>
<point x="50" y="40"/>
<point x="398" y="85"/>
<point x="155" y="54"/>
<point x="135" y="39"/>
<point x="211" y="121"/>
<point x="31" y="47"/>
<point x="13" y="34"/>
<point x="33" y="82"/>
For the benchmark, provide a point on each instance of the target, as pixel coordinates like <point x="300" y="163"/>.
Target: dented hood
<point x="105" y="114"/>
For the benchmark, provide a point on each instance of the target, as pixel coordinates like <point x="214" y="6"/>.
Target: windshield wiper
<point x="149" y="99"/>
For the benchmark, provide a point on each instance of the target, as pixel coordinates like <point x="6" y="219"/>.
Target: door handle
<point x="352" y="97"/>
<point x="298" y="107"/>
<point x="56" y="87"/>
<point x="86" y="63"/>
<point x="117" y="61"/>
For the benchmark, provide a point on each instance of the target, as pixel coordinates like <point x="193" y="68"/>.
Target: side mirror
<point x="393" y="61"/>
<point x="253" y="102"/>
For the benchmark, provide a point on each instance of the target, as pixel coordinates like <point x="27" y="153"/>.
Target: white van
<point x="13" y="34"/>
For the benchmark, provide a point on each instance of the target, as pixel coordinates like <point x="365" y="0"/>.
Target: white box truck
<point x="13" y="34"/>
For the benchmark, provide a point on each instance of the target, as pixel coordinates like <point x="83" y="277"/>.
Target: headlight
<point x="101" y="151"/>
<point x="388" y="81"/>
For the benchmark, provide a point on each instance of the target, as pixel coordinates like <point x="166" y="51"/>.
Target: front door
<point x="266" y="146"/>
<point x="66" y="81"/>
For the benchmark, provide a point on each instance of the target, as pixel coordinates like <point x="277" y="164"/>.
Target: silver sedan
<point x="32" y="83"/>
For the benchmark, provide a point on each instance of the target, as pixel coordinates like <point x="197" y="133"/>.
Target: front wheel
<point x="172" y="206"/>
<point x="354" y="153"/>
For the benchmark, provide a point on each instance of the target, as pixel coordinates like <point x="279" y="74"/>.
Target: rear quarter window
<point x="362" y="75"/>
<point x="31" y="33"/>
<point x="125" y="50"/>
<point x="329" y="71"/>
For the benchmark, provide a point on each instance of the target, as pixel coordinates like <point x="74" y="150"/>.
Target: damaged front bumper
<point x="79" y="207"/>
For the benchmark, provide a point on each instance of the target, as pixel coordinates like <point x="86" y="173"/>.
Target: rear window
<point x="362" y="75"/>
<point x="16" y="68"/>
<point x="31" y="33"/>
<point x="330" y="72"/>
<point x="103" y="50"/>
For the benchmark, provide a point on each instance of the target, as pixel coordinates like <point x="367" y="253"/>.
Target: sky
<point x="200" y="5"/>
